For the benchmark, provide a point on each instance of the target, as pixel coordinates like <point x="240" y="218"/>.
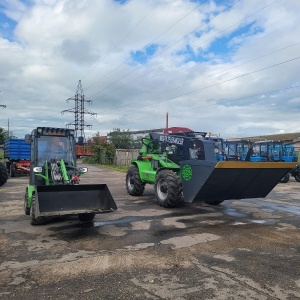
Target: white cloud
<point x="57" y="43"/>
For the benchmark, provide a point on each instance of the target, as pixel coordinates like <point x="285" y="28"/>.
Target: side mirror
<point x="83" y="170"/>
<point x="27" y="138"/>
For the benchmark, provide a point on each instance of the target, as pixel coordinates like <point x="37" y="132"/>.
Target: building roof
<point x="287" y="137"/>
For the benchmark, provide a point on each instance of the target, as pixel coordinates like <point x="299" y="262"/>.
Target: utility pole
<point x="79" y="112"/>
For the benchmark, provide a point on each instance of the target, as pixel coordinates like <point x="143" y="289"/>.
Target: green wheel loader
<point x="185" y="167"/>
<point x="54" y="188"/>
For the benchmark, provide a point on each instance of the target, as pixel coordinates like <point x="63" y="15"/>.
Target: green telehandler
<point x="186" y="167"/>
<point x="54" y="188"/>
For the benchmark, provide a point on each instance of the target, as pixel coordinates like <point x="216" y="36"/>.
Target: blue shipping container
<point x="16" y="149"/>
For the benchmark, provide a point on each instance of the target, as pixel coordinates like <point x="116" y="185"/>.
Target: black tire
<point x="86" y="217"/>
<point x="26" y="209"/>
<point x="285" y="179"/>
<point x="12" y="170"/>
<point x="134" y="184"/>
<point x="214" y="202"/>
<point x="3" y="174"/>
<point x="168" y="189"/>
<point x="33" y="219"/>
<point x="297" y="176"/>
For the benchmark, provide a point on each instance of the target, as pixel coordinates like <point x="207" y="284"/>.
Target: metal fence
<point x="123" y="156"/>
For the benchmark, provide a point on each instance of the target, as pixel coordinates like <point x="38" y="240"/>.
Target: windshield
<point x="242" y="149"/>
<point x="54" y="147"/>
<point x="275" y="149"/>
<point x="230" y="149"/>
<point x="288" y="150"/>
<point x="197" y="150"/>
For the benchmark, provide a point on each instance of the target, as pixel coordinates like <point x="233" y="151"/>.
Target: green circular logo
<point x="187" y="172"/>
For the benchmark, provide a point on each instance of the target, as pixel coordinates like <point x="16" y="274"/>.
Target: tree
<point x="103" y="151"/>
<point x="4" y="135"/>
<point x="121" y="139"/>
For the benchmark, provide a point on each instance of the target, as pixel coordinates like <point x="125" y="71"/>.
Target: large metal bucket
<point x="209" y="181"/>
<point x="57" y="200"/>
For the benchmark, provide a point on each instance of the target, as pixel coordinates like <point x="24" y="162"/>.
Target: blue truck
<point x="17" y="155"/>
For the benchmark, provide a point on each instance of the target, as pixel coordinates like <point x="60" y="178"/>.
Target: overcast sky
<point x="227" y="67"/>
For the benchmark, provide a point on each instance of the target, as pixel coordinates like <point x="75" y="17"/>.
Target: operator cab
<point x="237" y="149"/>
<point x="51" y="145"/>
<point x="267" y="151"/>
<point x="54" y="148"/>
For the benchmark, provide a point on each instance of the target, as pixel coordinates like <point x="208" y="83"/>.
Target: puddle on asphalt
<point x="264" y="206"/>
<point x="245" y="217"/>
<point x="234" y="213"/>
<point x="275" y="206"/>
<point x="119" y="221"/>
<point x="255" y="221"/>
<point x="239" y="223"/>
<point x="98" y="224"/>
<point x="268" y="210"/>
<point x="268" y="221"/>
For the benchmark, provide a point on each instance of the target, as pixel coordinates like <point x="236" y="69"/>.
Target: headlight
<point x="83" y="170"/>
<point x="38" y="170"/>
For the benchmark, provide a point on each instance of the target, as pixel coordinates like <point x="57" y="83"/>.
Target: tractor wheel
<point x="297" y="176"/>
<point x="167" y="188"/>
<point x="33" y="220"/>
<point x="285" y="179"/>
<point x="12" y="170"/>
<point x="3" y="174"/>
<point x="134" y="185"/>
<point x="214" y="202"/>
<point x="26" y="208"/>
<point x="86" y="217"/>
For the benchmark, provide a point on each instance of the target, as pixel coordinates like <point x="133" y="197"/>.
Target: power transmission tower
<point x="79" y="112"/>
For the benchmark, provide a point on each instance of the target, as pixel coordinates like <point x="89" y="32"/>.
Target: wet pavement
<point x="247" y="249"/>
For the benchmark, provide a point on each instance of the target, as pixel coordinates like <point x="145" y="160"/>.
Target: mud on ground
<point x="247" y="249"/>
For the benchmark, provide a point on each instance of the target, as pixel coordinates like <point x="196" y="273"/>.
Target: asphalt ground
<point x="248" y="249"/>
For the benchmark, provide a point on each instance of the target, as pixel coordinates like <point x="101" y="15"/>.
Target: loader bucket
<point x="55" y="200"/>
<point x="210" y="181"/>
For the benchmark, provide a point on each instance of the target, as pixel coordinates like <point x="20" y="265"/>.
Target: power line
<point x="211" y="75"/>
<point x="151" y="58"/>
<point x="220" y="102"/>
<point x="175" y="56"/>
<point x="143" y="19"/>
<point x="218" y="83"/>
<point x="228" y="80"/>
<point x="147" y="44"/>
